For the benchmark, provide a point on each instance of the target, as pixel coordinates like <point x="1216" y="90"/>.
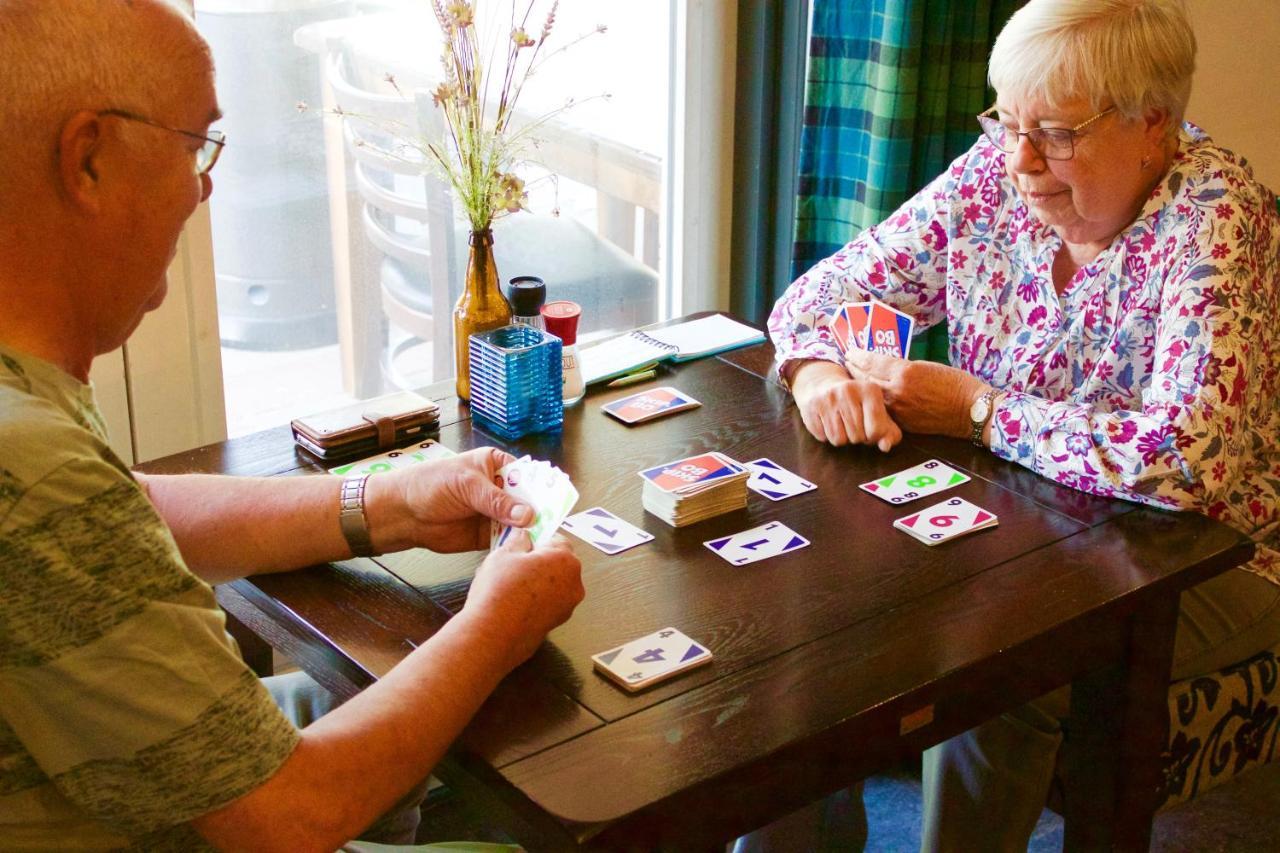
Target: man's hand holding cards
<point x="545" y="488"/>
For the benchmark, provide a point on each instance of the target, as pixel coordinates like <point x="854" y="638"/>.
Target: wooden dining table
<point x="830" y="663"/>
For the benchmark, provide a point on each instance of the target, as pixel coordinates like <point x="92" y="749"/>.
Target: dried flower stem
<point x="482" y="145"/>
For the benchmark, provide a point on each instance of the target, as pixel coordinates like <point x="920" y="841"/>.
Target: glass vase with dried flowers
<point x="483" y="143"/>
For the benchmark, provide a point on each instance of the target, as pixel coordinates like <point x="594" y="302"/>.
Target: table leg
<point x="1119" y="727"/>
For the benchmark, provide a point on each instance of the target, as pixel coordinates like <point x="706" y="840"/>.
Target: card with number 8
<point x="920" y="481"/>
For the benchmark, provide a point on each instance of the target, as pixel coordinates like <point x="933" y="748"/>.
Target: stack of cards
<point x="872" y="326"/>
<point x="647" y="405"/>
<point x="544" y="487"/>
<point x="699" y="487"/>
<point x="947" y="520"/>
<point x="650" y="659"/>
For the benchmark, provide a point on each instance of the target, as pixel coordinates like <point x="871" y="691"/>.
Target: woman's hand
<point x="841" y="410"/>
<point x="923" y="396"/>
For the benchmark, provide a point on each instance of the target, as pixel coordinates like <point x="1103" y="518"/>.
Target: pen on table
<point x="632" y="378"/>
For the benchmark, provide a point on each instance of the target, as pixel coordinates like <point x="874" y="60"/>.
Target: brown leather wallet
<point x="372" y="426"/>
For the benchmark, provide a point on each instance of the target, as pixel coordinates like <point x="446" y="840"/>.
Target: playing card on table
<point x="604" y="530"/>
<point x="775" y="482"/>
<point x="918" y="481"/>
<point x="651" y="659"/>
<point x="423" y="451"/>
<point x="692" y="473"/>
<point x="947" y="520"/>
<point x="888" y="331"/>
<point x="650" y="404"/>
<point x="758" y="543"/>
<point x="544" y="487"/>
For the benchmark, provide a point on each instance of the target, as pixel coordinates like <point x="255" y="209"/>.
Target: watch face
<point x="978" y="411"/>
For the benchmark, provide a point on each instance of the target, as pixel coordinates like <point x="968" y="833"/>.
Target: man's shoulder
<point x="39" y="440"/>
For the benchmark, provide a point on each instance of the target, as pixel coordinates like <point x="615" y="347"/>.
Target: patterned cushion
<point x="1220" y="725"/>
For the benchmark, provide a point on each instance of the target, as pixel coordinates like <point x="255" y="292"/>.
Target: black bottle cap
<point x="526" y="293"/>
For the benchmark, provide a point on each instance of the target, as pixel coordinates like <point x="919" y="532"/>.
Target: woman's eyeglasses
<point x="1052" y="143"/>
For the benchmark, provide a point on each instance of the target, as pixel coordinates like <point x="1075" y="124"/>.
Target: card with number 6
<point x="947" y="520"/>
<point x="919" y="481"/>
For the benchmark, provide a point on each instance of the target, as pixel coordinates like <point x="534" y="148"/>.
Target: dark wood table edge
<point x="1128" y="750"/>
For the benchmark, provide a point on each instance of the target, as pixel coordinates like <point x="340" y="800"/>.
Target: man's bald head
<point x="61" y="56"/>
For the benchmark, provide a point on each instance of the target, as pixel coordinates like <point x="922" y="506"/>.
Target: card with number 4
<point x="603" y="530"/>
<point x="947" y="520"/>
<point x="919" y="481"/>
<point x="775" y="482"/>
<point x="650" y="659"/>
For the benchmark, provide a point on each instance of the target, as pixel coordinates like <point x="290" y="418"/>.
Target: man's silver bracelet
<point x="352" y="518"/>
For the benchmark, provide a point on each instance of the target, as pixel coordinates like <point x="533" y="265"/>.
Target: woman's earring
<point x="1146" y="163"/>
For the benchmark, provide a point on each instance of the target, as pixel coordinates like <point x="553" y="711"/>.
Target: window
<point x="337" y="267"/>
<point x="173" y="366"/>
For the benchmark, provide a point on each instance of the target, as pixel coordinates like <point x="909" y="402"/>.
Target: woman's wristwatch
<point x="979" y="413"/>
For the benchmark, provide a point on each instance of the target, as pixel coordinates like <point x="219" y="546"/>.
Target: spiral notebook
<point x="642" y="349"/>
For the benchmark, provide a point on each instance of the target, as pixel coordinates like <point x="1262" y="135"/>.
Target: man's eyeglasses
<point x="1053" y="143"/>
<point x="206" y="156"/>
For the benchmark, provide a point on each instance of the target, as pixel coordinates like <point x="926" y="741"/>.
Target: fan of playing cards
<point x="871" y="326"/>
<point x="544" y="487"/>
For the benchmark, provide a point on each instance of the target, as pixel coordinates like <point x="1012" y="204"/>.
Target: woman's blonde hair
<point x="1135" y="54"/>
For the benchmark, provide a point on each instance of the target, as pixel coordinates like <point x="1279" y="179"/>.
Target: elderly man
<point x="127" y="717"/>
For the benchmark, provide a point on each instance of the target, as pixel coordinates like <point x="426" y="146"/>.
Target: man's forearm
<point x="357" y="761"/>
<point x="229" y="527"/>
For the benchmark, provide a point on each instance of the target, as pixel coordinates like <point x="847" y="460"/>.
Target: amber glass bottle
<point x="481" y="306"/>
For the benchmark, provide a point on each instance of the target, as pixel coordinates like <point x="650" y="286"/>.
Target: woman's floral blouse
<point x="1153" y="377"/>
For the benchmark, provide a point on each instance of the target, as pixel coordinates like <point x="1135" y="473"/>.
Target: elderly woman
<point x="1108" y="276"/>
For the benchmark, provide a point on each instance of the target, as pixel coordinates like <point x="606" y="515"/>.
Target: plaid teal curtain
<point x="893" y="86"/>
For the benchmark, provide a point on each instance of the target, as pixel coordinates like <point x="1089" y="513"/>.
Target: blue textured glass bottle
<point x="516" y="381"/>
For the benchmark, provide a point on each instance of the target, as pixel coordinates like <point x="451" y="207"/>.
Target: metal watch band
<point x="980" y="426"/>
<point x="351" y="516"/>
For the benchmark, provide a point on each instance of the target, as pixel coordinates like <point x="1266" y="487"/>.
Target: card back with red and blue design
<point x="692" y="471"/>
<point x="849" y="325"/>
<point x="888" y="331"/>
<point x="650" y="404"/>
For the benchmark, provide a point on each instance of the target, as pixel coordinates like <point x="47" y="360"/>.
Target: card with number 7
<point x="919" y="481"/>
<point x="775" y="482"/>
